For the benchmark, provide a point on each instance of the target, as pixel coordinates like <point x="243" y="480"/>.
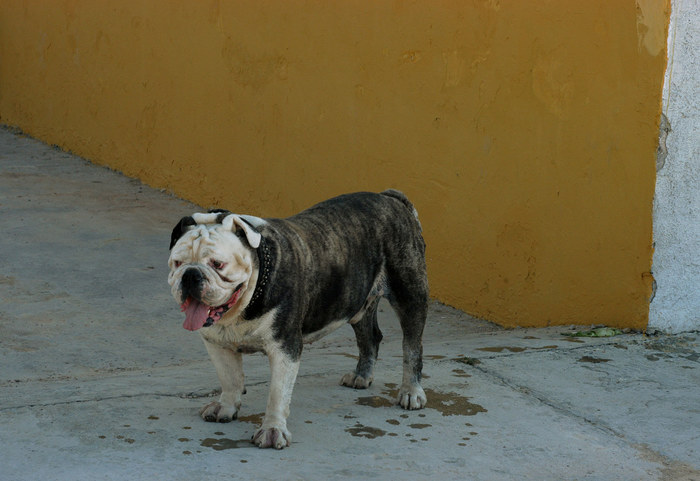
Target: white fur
<point x="229" y="369"/>
<point x="222" y="342"/>
<point x="197" y="248"/>
<point x="205" y="218"/>
<point x="251" y="234"/>
<point x="283" y="376"/>
<point x="254" y="221"/>
<point x="231" y="333"/>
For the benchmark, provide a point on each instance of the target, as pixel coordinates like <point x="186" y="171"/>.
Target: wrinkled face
<point x="210" y="267"/>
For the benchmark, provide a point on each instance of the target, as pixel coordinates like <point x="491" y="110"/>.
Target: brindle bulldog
<point x="249" y="284"/>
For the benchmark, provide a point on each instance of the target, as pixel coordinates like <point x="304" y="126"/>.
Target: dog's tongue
<point x="196" y="314"/>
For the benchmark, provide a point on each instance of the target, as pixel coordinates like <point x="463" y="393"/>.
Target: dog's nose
<point x="191" y="284"/>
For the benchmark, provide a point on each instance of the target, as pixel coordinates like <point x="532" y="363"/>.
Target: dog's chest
<point x="251" y="335"/>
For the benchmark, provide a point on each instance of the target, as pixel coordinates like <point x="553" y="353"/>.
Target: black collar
<point x="264" y="265"/>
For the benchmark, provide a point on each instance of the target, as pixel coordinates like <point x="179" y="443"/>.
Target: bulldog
<point x="248" y="284"/>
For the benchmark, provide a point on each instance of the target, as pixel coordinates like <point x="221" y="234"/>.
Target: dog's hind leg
<point x="409" y="298"/>
<point x="368" y="338"/>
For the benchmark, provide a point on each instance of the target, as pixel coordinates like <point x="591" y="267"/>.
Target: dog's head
<point x="212" y="266"/>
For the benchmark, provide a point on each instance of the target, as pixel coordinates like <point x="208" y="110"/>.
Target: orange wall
<point x="524" y="131"/>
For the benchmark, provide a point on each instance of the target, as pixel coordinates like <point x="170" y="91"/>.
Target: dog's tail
<point x="397" y="194"/>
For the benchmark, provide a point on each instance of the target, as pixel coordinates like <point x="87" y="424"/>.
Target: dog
<point x="270" y="285"/>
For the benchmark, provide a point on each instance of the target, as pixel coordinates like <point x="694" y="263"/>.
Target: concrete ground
<point x="99" y="381"/>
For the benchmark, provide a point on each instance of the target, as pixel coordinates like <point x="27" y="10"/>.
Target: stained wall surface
<point x="524" y="132"/>
<point x="676" y="266"/>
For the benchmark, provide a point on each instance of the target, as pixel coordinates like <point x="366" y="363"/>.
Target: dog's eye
<point x="216" y="264"/>
<point x="177" y="263"/>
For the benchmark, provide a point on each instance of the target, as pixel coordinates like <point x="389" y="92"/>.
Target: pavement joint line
<point x="181" y="395"/>
<point x="541" y="398"/>
<point x="81" y="401"/>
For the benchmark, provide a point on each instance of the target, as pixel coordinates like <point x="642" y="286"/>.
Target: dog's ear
<point x="180" y="229"/>
<point x="222" y="213"/>
<point x="235" y="222"/>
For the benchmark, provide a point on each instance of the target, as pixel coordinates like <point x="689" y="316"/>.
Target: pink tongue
<point x="196" y="315"/>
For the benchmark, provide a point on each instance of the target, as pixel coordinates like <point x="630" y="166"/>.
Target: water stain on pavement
<point x="252" y="418"/>
<point x="452" y="404"/>
<point x="501" y="349"/>
<point x="362" y="431"/>
<point x="593" y="360"/>
<point x="225" y="443"/>
<point x="374" y="401"/>
<point x="420" y="426"/>
<point x="447" y="404"/>
<point x="514" y="349"/>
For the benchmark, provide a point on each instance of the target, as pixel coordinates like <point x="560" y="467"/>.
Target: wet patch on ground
<point x="683" y="347"/>
<point x="446" y="403"/>
<point x="574" y="340"/>
<point x="513" y="349"/>
<point x="222" y="444"/>
<point x="256" y="419"/>
<point x="362" y="431"/>
<point x="593" y="360"/>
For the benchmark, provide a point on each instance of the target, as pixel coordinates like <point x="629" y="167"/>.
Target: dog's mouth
<point x="198" y="314"/>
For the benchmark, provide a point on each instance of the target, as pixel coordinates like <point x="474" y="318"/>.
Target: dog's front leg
<point x="273" y="433"/>
<point x="229" y="368"/>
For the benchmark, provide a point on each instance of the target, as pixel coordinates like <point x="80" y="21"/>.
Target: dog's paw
<point x="412" y="397"/>
<point x="356" y="382"/>
<point x="215" y="412"/>
<point x="272" y="437"/>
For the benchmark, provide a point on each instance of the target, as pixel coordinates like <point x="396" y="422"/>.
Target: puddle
<point x="393" y="422"/>
<point x="593" y="360"/>
<point x="469" y="361"/>
<point x="451" y="404"/>
<point x="574" y="340"/>
<point x="361" y="431"/>
<point x="153" y="417"/>
<point x="420" y="426"/>
<point x="225" y="443"/>
<point x="447" y="404"/>
<point x="501" y="349"/>
<point x="514" y="349"/>
<point x="256" y="419"/>
<point x="434" y="357"/>
<point x="374" y="401"/>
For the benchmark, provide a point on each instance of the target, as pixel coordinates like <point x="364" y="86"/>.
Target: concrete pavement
<point x="100" y="381"/>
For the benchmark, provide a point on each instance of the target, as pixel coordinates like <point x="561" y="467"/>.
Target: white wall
<point x="676" y="265"/>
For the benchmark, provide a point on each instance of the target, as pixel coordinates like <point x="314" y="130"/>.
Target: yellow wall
<point x="523" y="130"/>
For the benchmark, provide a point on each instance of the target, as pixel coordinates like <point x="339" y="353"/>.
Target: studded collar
<point x="264" y="264"/>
